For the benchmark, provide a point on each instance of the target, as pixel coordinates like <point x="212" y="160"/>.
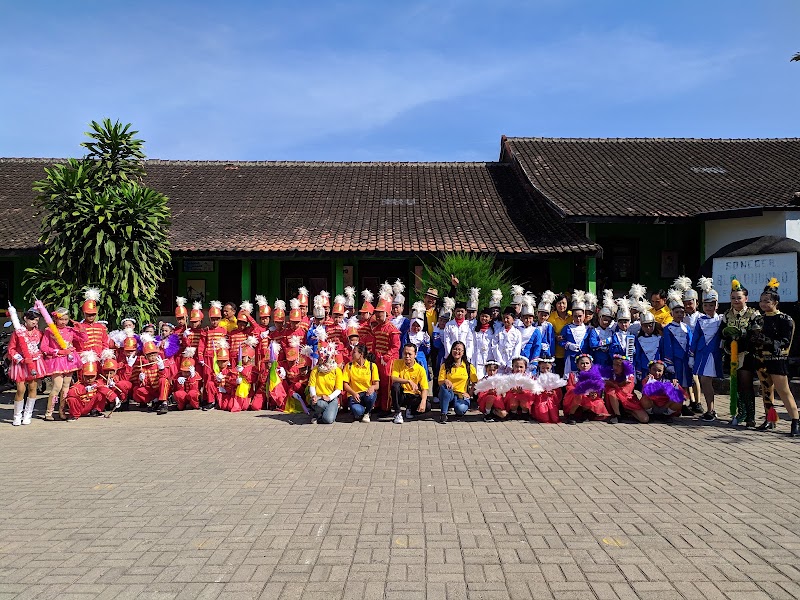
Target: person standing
<point x="60" y="363"/>
<point x="706" y="342"/>
<point x="27" y="364"/>
<point x="560" y="318"/>
<point x="575" y="336"/>
<point x="386" y="349"/>
<point x="93" y="335"/>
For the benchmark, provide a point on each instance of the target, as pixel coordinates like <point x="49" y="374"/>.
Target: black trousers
<point x="410" y="401"/>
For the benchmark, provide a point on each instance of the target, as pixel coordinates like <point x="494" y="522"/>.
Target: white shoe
<point x="398" y="419"/>
<point x="26" y="420"/>
<point x="17" y="420"/>
<point x="409" y="416"/>
<point x="365" y="418"/>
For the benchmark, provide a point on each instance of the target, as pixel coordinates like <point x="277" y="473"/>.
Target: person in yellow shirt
<point x="660" y="310"/>
<point x="559" y="318"/>
<point x="229" y="321"/>
<point x="361" y="380"/>
<point x="409" y="385"/>
<point x="456" y="378"/>
<point x="325" y="386"/>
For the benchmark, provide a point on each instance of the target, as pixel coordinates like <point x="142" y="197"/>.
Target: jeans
<point x="363" y="405"/>
<point x="447" y="396"/>
<point x="326" y="411"/>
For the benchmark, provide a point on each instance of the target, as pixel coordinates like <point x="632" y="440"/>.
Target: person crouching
<point x="85" y="397"/>
<point x="186" y="387"/>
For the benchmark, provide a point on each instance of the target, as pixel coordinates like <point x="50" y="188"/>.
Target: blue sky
<point x="400" y="80"/>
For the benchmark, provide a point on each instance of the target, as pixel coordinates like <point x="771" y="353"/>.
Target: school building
<point x="561" y="213"/>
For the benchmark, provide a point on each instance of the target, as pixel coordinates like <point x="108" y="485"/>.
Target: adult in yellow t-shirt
<point x="361" y="380"/>
<point x="229" y="321"/>
<point x="456" y="378"/>
<point x="324" y="389"/>
<point x="560" y="317"/>
<point x="409" y="385"/>
<point x="660" y="311"/>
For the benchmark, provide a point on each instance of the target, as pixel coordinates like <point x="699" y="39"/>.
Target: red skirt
<point x="593" y="404"/>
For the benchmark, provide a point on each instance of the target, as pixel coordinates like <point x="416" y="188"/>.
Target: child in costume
<point x="490" y="402"/>
<point x="547" y="333"/>
<point x="60" y="363"/>
<point x="547" y="402"/>
<point x="246" y="375"/>
<point x="676" y="341"/>
<point x="153" y="385"/>
<point x="520" y="387"/>
<point x="27" y="362"/>
<point x="661" y="396"/>
<point x="619" y="393"/>
<point x="776" y="340"/>
<point x="530" y="333"/>
<point x="648" y="341"/>
<point x="575" y="336"/>
<point x="507" y="343"/>
<point x="601" y="337"/>
<point x="419" y="337"/>
<point x="210" y="343"/>
<point x="325" y="386"/>
<point x="482" y="339"/>
<point x="186" y="386"/>
<point x="217" y="375"/>
<point x="113" y="388"/>
<point x="623" y="342"/>
<point x="706" y="342"/>
<point x="585" y="388"/>
<point x="85" y="397"/>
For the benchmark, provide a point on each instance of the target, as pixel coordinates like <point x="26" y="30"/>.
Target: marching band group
<point x="563" y="359"/>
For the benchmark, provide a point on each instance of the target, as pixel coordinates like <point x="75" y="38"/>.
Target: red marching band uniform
<point x="92" y="335"/>
<point x="152" y="383"/>
<point x="385" y="345"/>
<point x="186" y="386"/>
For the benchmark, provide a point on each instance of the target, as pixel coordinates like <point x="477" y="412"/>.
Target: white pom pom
<point x="261" y="300"/>
<point x="180" y="301"/>
<point x="92" y="294"/>
<point x="398" y="287"/>
<point x="246" y="306"/>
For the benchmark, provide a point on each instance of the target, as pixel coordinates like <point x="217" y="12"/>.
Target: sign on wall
<point x="753" y="272"/>
<point x="198" y="266"/>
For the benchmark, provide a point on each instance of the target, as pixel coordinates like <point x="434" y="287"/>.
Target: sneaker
<point x="686" y="411"/>
<point x="162" y="410"/>
<point x="365" y="418"/>
<point x="313" y="420"/>
<point x="409" y="416"/>
<point x="398" y="419"/>
<point x="443" y="419"/>
<point x="488" y="418"/>
<point x="210" y="407"/>
<point x="612" y="420"/>
<point x="709" y="416"/>
<point x="571" y="421"/>
<point x="696" y="408"/>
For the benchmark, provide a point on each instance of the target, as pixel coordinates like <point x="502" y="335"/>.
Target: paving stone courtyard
<point x="265" y="505"/>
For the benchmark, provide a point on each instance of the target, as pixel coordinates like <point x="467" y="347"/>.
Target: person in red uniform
<point x="336" y="328"/>
<point x="181" y="315"/>
<point x="353" y="339"/>
<point x="93" y="335"/>
<point x="215" y="388"/>
<point x="294" y="366"/>
<point x="113" y="388"/>
<point x="245" y="325"/>
<point x="186" y="386"/>
<point x="263" y="358"/>
<point x="547" y="403"/>
<point x="242" y="390"/>
<point x="128" y="365"/>
<point x="365" y="320"/>
<point x="302" y="299"/>
<point x="190" y="337"/>
<point x="85" y="397"/>
<point x="211" y="340"/>
<point x="153" y="385"/>
<point x="386" y="348"/>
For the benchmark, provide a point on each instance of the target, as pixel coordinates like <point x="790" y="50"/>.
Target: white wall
<point x="721" y="232"/>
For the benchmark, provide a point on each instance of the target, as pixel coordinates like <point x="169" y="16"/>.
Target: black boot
<point x="795" y="431"/>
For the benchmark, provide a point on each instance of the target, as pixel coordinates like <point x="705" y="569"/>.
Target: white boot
<point x="26" y="418"/>
<point x="17" y="413"/>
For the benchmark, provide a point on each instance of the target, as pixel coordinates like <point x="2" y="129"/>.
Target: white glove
<point x="131" y="360"/>
<point x="70" y="357"/>
<point x="160" y="363"/>
<point x="220" y="377"/>
<point x="222" y="390"/>
<point x="545" y="346"/>
<point x="141" y="377"/>
<point x="264" y="335"/>
<point x="191" y="371"/>
<point x="202" y="362"/>
<point x="117" y="403"/>
<point x="91" y="388"/>
<point x="186" y="333"/>
<point x="110" y="382"/>
<point x="281" y="372"/>
<point x="238" y="380"/>
<point x="573" y="347"/>
<point x="18" y="358"/>
<point x="239" y="369"/>
<point x="181" y="380"/>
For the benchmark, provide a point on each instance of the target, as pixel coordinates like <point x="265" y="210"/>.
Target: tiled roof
<point x="287" y="207"/>
<point x="658" y="177"/>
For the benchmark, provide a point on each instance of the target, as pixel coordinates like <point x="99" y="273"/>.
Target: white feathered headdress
<point x="682" y="283"/>
<point x="674" y="297"/>
<point x="180" y="301"/>
<point x="517" y="290"/>
<point x="398" y="287"/>
<point x="190" y="352"/>
<point x="608" y="299"/>
<point x="706" y="284"/>
<point x="637" y="291"/>
<point x="418" y="310"/>
<point x="92" y="294"/>
<point x="216" y="304"/>
<point x="108" y="353"/>
<point x="350" y="295"/>
<point x="302" y="291"/>
<point x="246" y="306"/>
<point x="280" y="305"/>
<point x="368" y="296"/>
<point x="89" y="355"/>
<point x="448" y="305"/>
<point x="590" y="299"/>
<point x="475" y="295"/>
<point x="261" y="300"/>
<point x="294" y="304"/>
<point x="496" y="298"/>
<point x="197" y="306"/>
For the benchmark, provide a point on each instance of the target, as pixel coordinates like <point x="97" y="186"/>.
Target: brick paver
<point x="263" y="505"/>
